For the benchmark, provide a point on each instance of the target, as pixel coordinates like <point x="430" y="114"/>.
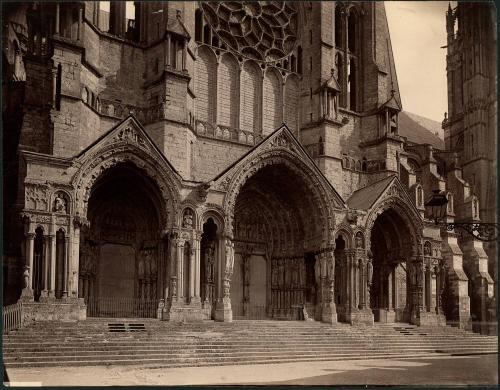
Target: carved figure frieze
<point x="36" y="197"/>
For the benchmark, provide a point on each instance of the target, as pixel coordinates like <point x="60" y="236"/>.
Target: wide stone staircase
<point x="167" y="344"/>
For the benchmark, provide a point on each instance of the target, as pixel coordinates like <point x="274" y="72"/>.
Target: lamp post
<point x="436" y="208"/>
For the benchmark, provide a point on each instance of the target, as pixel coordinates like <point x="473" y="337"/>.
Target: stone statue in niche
<point x="274" y="273"/>
<point x="330" y="266"/>
<point x="281" y="273"/>
<point x="359" y="240"/>
<point x="152" y="261"/>
<point x="59" y="204"/>
<point x="475" y="205"/>
<point x="229" y="259"/>
<point x="369" y="272"/>
<point x="187" y="219"/>
<point x="427" y="249"/>
<point x="210" y="261"/>
<point x="317" y="269"/>
<point x="141" y="267"/>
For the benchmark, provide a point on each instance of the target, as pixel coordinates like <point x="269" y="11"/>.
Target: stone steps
<point x="241" y="342"/>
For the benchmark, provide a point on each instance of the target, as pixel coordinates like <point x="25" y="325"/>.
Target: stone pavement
<point x="442" y="370"/>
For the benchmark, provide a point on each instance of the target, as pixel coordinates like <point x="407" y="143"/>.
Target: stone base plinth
<point x="364" y="316"/>
<point x="429" y="319"/>
<point x="223" y="312"/>
<point x="385" y="316"/>
<point x="68" y="309"/>
<point x="329" y="313"/>
<point x="27" y="295"/>
<point x="182" y="312"/>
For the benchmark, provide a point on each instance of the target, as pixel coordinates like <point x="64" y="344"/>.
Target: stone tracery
<point x="258" y="30"/>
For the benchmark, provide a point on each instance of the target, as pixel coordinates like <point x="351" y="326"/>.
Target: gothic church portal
<point x="225" y="160"/>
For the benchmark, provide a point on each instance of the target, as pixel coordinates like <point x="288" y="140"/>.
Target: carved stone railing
<point x="210" y="130"/>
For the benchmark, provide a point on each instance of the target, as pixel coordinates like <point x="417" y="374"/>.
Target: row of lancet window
<point x="347" y="57"/>
<point x="204" y="34"/>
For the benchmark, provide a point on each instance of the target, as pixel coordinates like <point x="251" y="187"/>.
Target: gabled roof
<point x="332" y="83"/>
<point x="365" y="198"/>
<point x="284" y="136"/>
<point x="392" y="104"/>
<point x="176" y="26"/>
<point x="139" y="129"/>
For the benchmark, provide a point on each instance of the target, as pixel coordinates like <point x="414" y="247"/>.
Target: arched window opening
<point x="58" y="87"/>
<point x="338" y="27"/>
<point x="293" y="63"/>
<point x="198" y="27"/>
<point x="215" y="41"/>
<point x="299" y="60"/>
<point x="207" y="34"/>
<point x="321" y="146"/>
<point x="363" y="165"/>
<point x="130" y="12"/>
<point x="351" y="85"/>
<point x="104" y="15"/>
<point x="341" y="71"/>
<point x="352" y="32"/>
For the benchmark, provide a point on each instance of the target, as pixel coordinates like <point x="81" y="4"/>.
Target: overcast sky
<point x="418" y="30"/>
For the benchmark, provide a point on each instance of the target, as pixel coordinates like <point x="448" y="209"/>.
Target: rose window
<point x="265" y="31"/>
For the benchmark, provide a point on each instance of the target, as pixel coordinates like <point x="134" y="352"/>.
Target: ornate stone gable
<point x="277" y="144"/>
<point x="126" y="142"/>
<point x="395" y="196"/>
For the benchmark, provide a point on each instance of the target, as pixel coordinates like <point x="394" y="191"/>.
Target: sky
<point x="418" y="30"/>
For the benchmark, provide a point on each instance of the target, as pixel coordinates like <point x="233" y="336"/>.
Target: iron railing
<point x="115" y="307"/>
<point x="12" y="317"/>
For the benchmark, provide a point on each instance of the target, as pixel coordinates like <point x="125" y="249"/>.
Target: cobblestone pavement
<point x="442" y="370"/>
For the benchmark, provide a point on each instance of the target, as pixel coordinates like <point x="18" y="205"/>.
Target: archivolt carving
<point x="325" y="201"/>
<point x="109" y="156"/>
<point x="412" y="219"/>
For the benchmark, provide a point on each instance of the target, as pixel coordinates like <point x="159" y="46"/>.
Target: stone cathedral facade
<point x="225" y="160"/>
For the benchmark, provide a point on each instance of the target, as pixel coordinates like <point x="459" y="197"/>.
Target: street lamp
<point x="436" y="208"/>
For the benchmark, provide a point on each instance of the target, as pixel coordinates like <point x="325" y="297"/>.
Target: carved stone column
<point x="223" y="311"/>
<point x="27" y="293"/>
<point x="246" y="282"/>
<point x="66" y="268"/>
<point x="45" y="269"/>
<point x="180" y="268"/>
<point x="197" y="265"/>
<point x="174" y="266"/>
<point x="329" y="309"/>
<point x="192" y="271"/>
<point x="53" y="260"/>
<point x="74" y="259"/>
